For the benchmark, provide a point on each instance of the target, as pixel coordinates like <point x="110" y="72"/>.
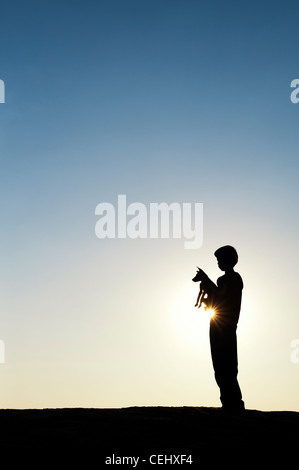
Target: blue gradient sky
<point x="185" y="101"/>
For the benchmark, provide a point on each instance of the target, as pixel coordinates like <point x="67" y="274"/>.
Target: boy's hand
<point x="207" y="303"/>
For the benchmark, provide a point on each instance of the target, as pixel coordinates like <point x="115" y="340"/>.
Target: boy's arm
<point x="228" y="297"/>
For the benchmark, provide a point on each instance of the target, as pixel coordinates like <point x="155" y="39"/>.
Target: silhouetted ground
<point x="58" y="435"/>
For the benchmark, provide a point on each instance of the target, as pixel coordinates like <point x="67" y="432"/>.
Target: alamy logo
<point x="159" y="220"/>
<point x="295" y="93"/>
<point x="2" y="92"/>
<point x="295" y="351"/>
<point x="2" y="352"/>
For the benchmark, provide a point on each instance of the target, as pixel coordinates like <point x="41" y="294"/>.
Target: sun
<point x="190" y="325"/>
<point x="210" y="312"/>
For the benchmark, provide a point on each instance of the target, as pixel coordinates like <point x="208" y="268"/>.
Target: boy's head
<point x="227" y="257"/>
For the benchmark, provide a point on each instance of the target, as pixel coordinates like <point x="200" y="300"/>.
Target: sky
<point x="162" y="101"/>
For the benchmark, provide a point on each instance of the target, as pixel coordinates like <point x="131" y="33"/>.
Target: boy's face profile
<point x="227" y="258"/>
<point x="224" y="264"/>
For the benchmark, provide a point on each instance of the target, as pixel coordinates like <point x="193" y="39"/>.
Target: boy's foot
<point x="234" y="409"/>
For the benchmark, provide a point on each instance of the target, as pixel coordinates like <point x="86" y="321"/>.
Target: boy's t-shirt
<point x="227" y="298"/>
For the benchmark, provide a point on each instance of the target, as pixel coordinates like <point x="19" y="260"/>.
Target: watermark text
<point x="295" y="351"/>
<point x="2" y="352"/>
<point x="295" y="93"/>
<point x="2" y="91"/>
<point x="158" y="220"/>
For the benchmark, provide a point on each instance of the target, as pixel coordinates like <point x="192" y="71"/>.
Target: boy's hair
<point x="228" y="254"/>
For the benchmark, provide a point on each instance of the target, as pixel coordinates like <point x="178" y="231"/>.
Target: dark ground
<point x="50" y="437"/>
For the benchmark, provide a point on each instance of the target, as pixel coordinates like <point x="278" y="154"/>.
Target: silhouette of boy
<point x="225" y="299"/>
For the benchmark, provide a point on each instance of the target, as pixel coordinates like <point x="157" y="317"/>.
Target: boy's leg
<point x="225" y="363"/>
